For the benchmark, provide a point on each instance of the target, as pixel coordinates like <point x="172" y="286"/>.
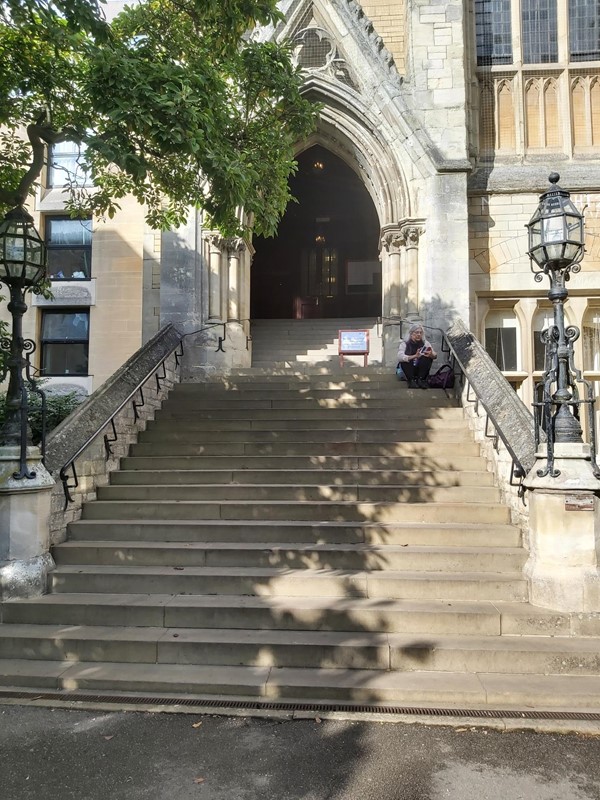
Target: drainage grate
<point x="258" y="705"/>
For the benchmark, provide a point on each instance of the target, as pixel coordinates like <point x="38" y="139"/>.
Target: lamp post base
<point x="564" y="532"/>
<point x="24" y="526"/>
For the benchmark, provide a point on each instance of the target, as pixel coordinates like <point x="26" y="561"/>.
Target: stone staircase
<point x="299" y="343"/>
<point x="323" y="536"/>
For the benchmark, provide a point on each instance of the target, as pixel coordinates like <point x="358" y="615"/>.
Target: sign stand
<point x="353" y="343"/>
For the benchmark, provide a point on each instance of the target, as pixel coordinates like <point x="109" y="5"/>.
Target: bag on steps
<point x="443" y="378"/>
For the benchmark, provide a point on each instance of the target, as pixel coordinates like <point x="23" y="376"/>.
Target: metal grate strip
<point x="305" y="707"/>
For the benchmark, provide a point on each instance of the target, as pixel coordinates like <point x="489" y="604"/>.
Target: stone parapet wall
<point x="498" y="458"/>
<point x="92" y="466"/>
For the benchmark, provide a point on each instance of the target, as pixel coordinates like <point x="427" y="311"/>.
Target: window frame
<point x="56" y="248"/>
<point x="44" y="342"/>
<point x="76" y="176"/>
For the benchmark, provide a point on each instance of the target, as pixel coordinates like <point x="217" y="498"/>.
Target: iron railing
<point x="512" y="422"/>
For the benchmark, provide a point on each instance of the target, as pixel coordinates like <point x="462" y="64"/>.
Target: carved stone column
<point x="215" y="244"/>
<point x="391" y="248"/>
<point x="409" y="271"/>
<point x="235" y="249"/>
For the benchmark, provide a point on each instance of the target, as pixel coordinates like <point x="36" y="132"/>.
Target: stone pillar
<point x="215" y="244"/>
<point x="564" y="531"/>
<point x="409" y="271"/>
<point x="235" y="248"/>
<point x="25" y="559"/>
<point x="391" y="247"/>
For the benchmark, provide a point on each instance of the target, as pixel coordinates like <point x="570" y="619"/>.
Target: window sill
<point x="78" y="292"/>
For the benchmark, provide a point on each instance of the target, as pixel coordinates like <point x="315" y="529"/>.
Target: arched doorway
<point x="324" y="261"/>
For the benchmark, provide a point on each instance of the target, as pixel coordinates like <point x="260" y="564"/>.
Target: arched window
<point x="502" y="339"/>
<point x="542" y="320"/>
<point x="506" y="116"/>
<point x="591" y="340"/>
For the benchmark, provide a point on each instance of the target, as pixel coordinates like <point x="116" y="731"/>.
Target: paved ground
<point x="60" y="754"/>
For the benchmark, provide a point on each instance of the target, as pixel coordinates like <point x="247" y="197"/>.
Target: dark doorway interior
<point x="324" y="260"/>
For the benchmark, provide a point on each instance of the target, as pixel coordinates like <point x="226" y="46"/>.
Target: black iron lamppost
<point x="556" y="246"/>
<point x="22" y="266"/>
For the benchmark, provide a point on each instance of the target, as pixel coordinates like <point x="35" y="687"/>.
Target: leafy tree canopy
<point x="173" y="101"/>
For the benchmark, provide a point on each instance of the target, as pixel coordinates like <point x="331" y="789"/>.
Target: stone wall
<point x="389" y="19"/>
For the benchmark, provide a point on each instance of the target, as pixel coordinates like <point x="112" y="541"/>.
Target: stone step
<point x="302" y="492"/>
<point x="418" y="534"/>
<point x="302" y="649"/>
<point x="391" y="584"/>
<point x="291" y="555"/>
<point x="414" y="689"/>
<point x="483" y="618"/>
<point x="376" y="417"/>
<point x="424" y="511"/>
<point x="449" y="459"/>
<point x="321" y="398"/>
<point x="297" y="383"/>
<point x="236" y="448"/>
<point x="325" y="425"/>
<point x="379" y="478"/>
<point x="176" y="436"/>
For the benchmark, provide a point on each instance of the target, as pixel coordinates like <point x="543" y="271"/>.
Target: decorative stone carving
<point x="411" y="235"/>
<point x="235" y="244"/>
<point x="315" y="50"/>
<point x="215" y="241"/>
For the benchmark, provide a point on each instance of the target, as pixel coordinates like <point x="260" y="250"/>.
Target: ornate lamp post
<point x="22" y="266"/>
<point x="556" y="246"/>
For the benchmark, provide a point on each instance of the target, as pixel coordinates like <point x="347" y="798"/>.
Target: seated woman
<point x="415" y="356"/>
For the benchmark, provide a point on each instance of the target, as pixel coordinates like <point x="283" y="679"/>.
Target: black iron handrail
<point x="171" y="341"/>
<point x="492" y="391"/>
<point x="109" y="419"/>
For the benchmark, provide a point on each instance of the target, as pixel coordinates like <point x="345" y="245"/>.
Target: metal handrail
<point x="108" y="419"/>
<point x="138" y="387"/>
<point x="498" y="398"/>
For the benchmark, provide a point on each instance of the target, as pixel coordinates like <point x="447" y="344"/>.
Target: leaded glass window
<point x="539" y="30"/>
<point x="584" y="30"/>
<point x="493" y="32"/>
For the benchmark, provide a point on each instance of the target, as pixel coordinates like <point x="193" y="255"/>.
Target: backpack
<point x="443" y="378"/>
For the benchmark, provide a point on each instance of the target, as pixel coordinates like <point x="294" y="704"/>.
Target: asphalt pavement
<point x="59" y="754"/>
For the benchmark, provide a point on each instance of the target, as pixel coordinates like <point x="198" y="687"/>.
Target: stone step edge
<point x="303" y="638"/>
<point x="514" y="692"/>
<point x="545" y="622"/>
<point x="274" y="573"/>
<point x="340" y="547"/>
<point x="319" y="524"/>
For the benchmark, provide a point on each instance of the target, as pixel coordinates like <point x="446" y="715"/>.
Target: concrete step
<point x="379" y="478"/>
<point x="301" y="649"/>
<point x="424" y="511"/>
<point x="392" y="584"/>
<point x="282" y="532"/>
<point x="291" y="555"/>
<point x="237" y="448"/>
<point x="416" y="688"/>
<point x="449" y="459"/>
<point x="482" y="618"/>
<point x="302" y="492"/>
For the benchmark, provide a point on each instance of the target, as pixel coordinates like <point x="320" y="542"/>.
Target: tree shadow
<point x="300" y="530"/>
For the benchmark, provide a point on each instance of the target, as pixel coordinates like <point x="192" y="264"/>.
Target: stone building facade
<point x="440" y="121"/>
